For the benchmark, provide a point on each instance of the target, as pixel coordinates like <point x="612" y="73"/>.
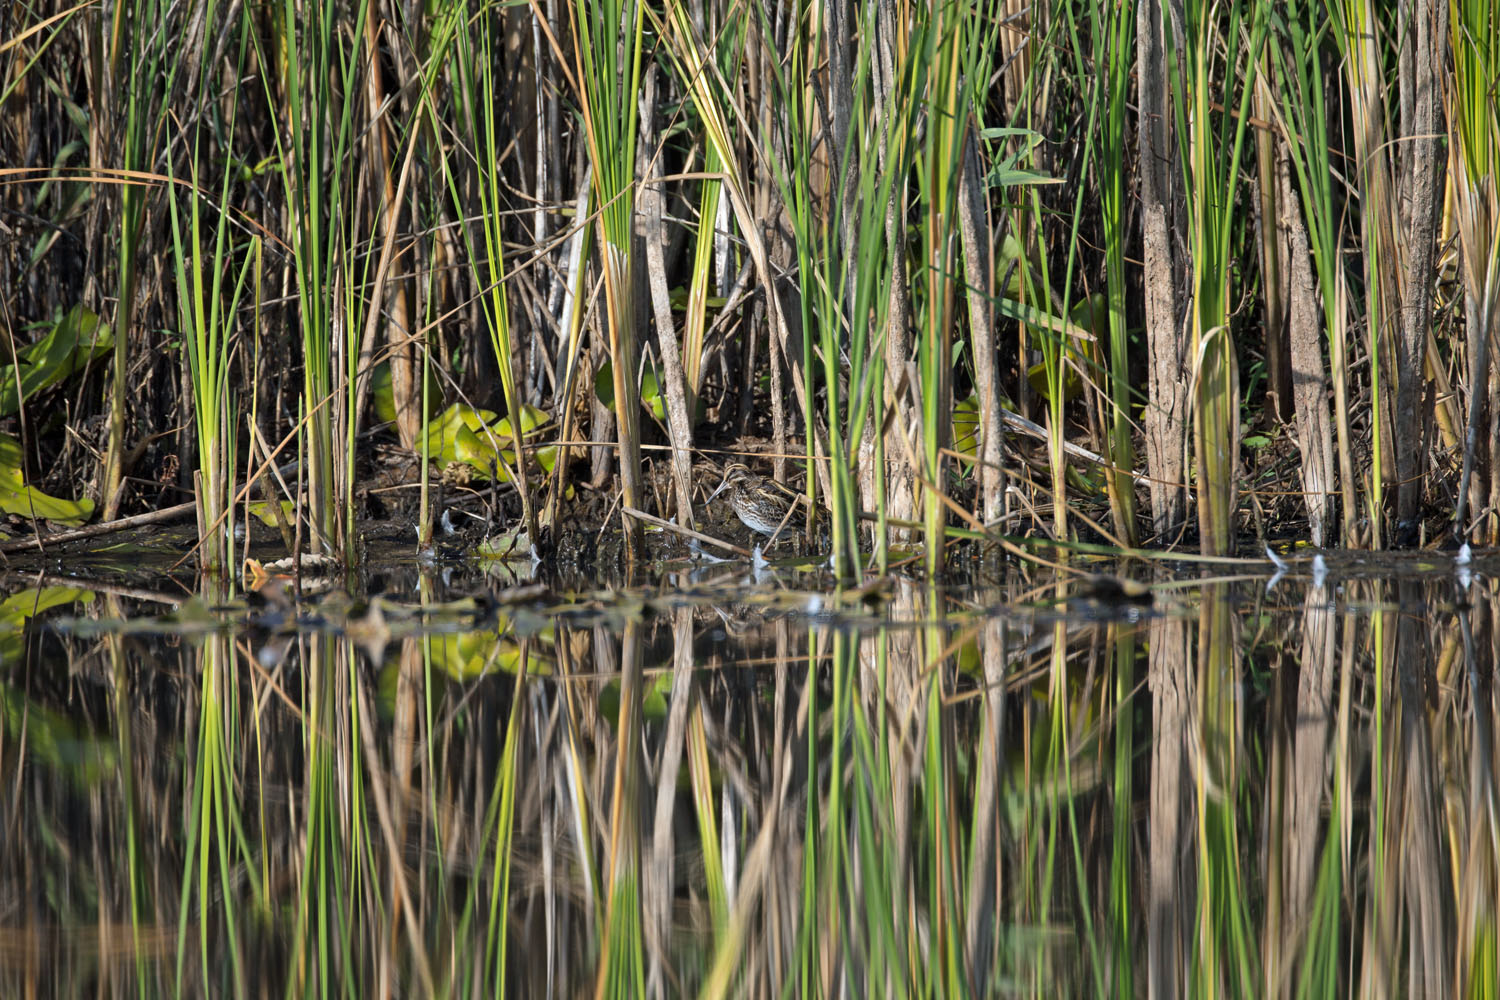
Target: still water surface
<point x="728" y="783"/>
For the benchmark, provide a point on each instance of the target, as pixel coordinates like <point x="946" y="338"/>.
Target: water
<point x="716" y="784"/>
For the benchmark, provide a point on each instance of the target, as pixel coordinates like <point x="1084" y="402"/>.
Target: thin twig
<point x="689" y="532"/>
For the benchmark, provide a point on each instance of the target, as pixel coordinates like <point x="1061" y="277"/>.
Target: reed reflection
<point x="1231" y="790"/>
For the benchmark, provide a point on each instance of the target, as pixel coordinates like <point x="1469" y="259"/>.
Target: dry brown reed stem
<point x="404" y="388"/>
<point x="1162" y="228"/>
<point x="649" y="201"/>
<point x="974" y="230"/>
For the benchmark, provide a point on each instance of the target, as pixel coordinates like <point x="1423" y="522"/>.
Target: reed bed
<point x="948" y="258"/>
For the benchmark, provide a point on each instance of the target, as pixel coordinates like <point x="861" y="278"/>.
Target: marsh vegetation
<point x="951" y="269"/>
<point x="978" y="293"/>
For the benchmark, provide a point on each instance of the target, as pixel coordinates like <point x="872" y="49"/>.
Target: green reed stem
<point x="136" y="47"/>
<point x="200" y="261"/>
<point x="1113" y="33"/>
<point x="1213" y="144"/>
<point x="940" y="58"/>
<point x="608" y="46"/>
<point x="481" y="101"/>
<point x="319" y="110"/>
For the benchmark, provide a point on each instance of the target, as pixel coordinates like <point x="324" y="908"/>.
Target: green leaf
<point x="651" y="397"/>
<point x="384" y="397"/>
<point x="966" y="426"/>
<point x="72" y="343"/>
<point x="473" y="436"/>
<point x="18" y="498"/>
<point x="262" y="509"/>
<point x="531" y="418"/>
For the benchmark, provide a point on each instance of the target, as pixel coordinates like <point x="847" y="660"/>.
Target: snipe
<point x="761" y="504"/>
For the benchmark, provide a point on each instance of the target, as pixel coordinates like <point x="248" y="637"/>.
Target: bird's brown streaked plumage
<point x="762" y="505"/>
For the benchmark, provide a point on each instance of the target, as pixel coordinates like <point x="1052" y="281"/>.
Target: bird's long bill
<point x="719" y="490"/>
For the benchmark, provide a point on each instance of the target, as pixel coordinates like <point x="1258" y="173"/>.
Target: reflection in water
<point x="1235" y="792"/>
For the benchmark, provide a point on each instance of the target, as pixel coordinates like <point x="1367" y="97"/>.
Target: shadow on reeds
<point x="723" y="785"/>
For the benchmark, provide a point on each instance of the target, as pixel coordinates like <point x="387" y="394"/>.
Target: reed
<point x="314" y="99"/>
<point x="137" y="58"/>
<point x="607" y="41"/>
<point x="1303" y="116"/>
<point x="203" y="262"/>
<point x="1212" y="147"/>
<point x="476" y="76"/>
<point x="844" y="262"/>
<point x="1475" y="44"/>
<point x="1111" y="31"/>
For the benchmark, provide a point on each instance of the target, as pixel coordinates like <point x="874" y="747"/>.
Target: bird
<point x="762" y="505"/>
